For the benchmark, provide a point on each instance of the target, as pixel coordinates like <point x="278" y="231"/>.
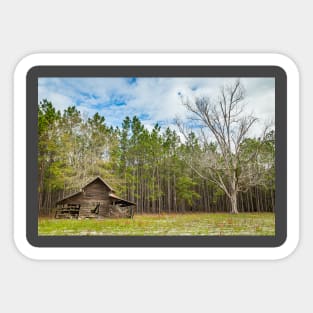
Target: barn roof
<point x="69" y="196"/>
<point x="102" y="180"/>
<point x="121" y="201"/>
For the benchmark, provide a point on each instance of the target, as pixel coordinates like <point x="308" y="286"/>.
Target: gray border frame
<point x="157" y="71"/>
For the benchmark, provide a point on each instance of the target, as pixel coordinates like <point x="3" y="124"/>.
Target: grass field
<point x="261" y="224"/>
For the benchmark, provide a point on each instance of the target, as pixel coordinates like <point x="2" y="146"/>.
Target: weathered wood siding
<point x="91" y="195"/>
<point x="73" y="200"/>
<point x="96" y="193"/>
<point x="104" y="209"/>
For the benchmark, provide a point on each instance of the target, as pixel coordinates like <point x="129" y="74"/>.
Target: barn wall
<point x="96" y="191"/>
<point x="85" y="209"/>
<point x="92" y="194"/>
<point x="104" y="209"/>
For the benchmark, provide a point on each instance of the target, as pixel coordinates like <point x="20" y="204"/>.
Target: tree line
<point x="216" y="169"/>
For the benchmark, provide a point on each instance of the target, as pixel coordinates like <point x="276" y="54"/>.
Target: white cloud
<point x="156" y="99"/>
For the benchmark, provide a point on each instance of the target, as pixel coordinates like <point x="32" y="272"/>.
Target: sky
<point x="153" y="100"/>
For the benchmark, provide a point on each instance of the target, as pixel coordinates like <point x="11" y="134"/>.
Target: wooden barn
<point x="97" y="199"/>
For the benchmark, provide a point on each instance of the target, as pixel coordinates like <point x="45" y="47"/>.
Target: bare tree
<point x="226" y="120"/>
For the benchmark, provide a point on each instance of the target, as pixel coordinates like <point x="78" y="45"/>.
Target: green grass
<point x="260" y="224"/>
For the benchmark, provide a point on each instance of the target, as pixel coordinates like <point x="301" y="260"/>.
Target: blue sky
<point x="151" y="99"/>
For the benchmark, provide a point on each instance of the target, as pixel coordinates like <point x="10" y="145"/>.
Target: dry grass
<point x="195" y="224"/>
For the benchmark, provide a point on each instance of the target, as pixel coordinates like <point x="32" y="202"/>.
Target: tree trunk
<point x="175" y="196"/>
<point x="233" y="201"/>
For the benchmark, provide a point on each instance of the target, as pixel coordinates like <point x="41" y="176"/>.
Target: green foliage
<point x="148" y="166"/>
<point x="185" y="190"/>
<point x="259" y="154"/>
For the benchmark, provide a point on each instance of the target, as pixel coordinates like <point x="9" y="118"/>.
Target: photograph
<point x="156" y="156"/>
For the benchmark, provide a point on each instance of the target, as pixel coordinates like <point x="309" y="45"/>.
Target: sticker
<point x="156" y="156"/>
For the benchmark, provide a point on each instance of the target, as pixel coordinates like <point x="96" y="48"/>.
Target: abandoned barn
<point x="97" y="199"/>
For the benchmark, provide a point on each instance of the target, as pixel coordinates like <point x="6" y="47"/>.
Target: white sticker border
<point x="133" y="59"/>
